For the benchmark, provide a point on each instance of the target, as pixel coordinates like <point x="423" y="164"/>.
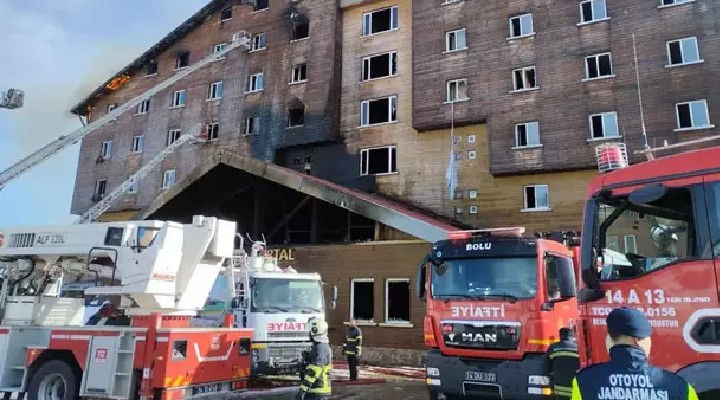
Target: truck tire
<point x="54" y="380"/>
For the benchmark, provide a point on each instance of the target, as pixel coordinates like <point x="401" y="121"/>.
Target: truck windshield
<point x="512" y="278"/>
<point x="287" y="295"/>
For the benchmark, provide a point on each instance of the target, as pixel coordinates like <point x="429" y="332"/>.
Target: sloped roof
<point x="170" y="39"/>
<point x="391" y="213"/>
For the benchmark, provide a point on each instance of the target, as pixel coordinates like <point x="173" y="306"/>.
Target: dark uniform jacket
<point x="563" y="362"/>
<point x="316" y="376"/>
<point x="629" y="376"/>
<point x="353" y="342"/>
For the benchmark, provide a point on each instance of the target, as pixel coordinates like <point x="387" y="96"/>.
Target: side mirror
<point x="566" y="278"/>
<point x="333" y="302"/>
<point x="420" y="281"/>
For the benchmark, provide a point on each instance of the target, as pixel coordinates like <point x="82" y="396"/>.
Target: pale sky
<point x="58" y="51"/>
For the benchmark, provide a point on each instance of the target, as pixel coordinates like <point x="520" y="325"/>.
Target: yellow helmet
<point x="317" y="327"/>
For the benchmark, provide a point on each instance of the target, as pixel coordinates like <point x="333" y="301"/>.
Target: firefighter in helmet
<point x="318" y="363"/>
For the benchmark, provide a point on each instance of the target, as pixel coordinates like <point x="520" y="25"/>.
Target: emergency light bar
<point x="516" y="231"/>
<point x="611" y="156"/>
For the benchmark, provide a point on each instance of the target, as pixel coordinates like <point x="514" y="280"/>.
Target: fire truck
<point x="495" y="301"/>
<point x="143" y="347"/>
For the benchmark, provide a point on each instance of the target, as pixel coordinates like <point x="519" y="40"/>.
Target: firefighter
<point x="563" y="362"/>
<point x="318" y="363"/>
<point x="628" y="373"/>
<point x="352" y="348"/>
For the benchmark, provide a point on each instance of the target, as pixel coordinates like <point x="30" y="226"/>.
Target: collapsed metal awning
<point x="368" y="205"/>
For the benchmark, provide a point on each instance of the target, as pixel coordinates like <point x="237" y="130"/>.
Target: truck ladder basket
<point x="107" y="201"/>
<point x="240" y="39"/>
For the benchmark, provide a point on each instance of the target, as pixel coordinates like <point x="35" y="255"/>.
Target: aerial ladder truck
<point x="147" y="349"/>
<point x="239" y="40"/>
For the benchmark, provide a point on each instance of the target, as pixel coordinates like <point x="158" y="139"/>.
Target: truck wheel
<point x="55" y="380"/>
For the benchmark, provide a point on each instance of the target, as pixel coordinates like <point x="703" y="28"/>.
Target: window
<point x="612" y="243"/>
<point x="298" y="73"/>
<point x="168" y="178"/>
<point x="683" y="51"/>
<point x="101" y="187"/>
<point x="472" y="154"/>
<point x="527" y="134"/>
<point x="592" y="10"/>
<point x="630" y="244"/>
<point x="258" y="42"/>
<point x="455" y="40"/>
<point x="379" y="66"/>
<point x="296" y="116"/>
<point x="674" y="2"/>
<point x="604" y="125"/>
<point x="178" y="98"/>
<point x="111" y="107"/>
<point x="134" y="187"/>
<point x="213" y="131"/>
<point x="536" y="197"/>
<point x="219" y="47"/>
<point x="138" y="143"/>
<point x="261" y="5"/>
<point x="173" y="135"/>
<point x="471" y="139"/>
<point x="226" y="14"/>
<point x="598" y="66"/>
<point x="456" y="90"/>
<point x="362" y="299"/>
<point x="397" y="301"/>
<point x="380" y="21"/>
<point x="106" y="149"/>
<point x="182" y="59"/>
<point x="473" y="209"/>
<point x="522" y="25"/>
<point x="143" y="107"/>
<point x="215" y="91"/>
<point x="300" y="31"/>
<point x="252" y="125"/>
<point x="378" y="111"/>
<point x="524" y="79"/>
<point x="378" y="160"/>
<point x="693" y="115"/>
<point x="472" y="194"/>
<point x="255" y="83"/>
<point x="152" y="68"/>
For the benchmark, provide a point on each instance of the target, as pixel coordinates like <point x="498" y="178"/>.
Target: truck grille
<point x="479" y="335"/>
<point x="303" y="335"/>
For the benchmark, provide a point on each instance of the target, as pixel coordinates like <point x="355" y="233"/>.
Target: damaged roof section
<point x="385" y="211"/>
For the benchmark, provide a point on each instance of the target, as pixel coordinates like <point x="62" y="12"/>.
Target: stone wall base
<point x="385" y="357"/>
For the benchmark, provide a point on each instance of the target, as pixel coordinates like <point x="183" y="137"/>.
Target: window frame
<point x="258" y="77"/>
<point x="213" y="91"/>
<point x="536" y="208"/>
<point x="388" y="281"/>
<point x="165" y="180"/>
<point x="133" y="189"/>
<point x="213" y="127"/>
<point x="104" y="187"/>
<point x="692" y="127"/>
<point x="448" y="41"/>
<point x="218" y="47"/>
<point x="106" y="149"/>
<point x="625" y="243"/>
<point x="172" y="136"/>
<point x="295" y="70"/>
<point x="223" y="11"/>
<point x="592" y="10"/>
<point x="365" y="156"/>
<point x="448" y="85"/>
<point x="256" y="9"/>
<point x="365" y="111"/>
<point x="537" y="135"/>
<point x="178" y="60"/>
<point x="524" y="71"/>
<point x="134" y="148"/>
<point x="392" y="62"/>
<point x="596" y="59"/>
<point x="352" y="298"/>
<point x="520" y="17"/>
<point x="604" y="136"/>
<point x="258" y="39"/>
<point x="256" y="123"/>
<point x="367" y="21"/>
<point x="682" y="51"/>
<point x="143" y="107"/>
<point x="179" y="95"/>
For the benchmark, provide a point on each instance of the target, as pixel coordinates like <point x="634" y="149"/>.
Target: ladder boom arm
<point x="63" y="142"/>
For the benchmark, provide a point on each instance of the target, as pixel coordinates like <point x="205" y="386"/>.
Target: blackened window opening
<point x="301" y="31"/>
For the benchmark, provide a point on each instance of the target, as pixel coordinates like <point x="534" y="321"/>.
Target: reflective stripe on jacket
<point x="316" y="377"/>
<point x="564" y="361"/>
<point x="628" y="376"/>
<point x="353" y="342"/>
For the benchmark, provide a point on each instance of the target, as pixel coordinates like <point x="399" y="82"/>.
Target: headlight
<point x="256" y="358"/>
<point x="539" y="380"/>
<point x="432" y="371"/>
<point x="255" y="352"/>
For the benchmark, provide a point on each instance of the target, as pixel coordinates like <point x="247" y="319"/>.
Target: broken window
<point x="252" y="125"/>
<point x="598" y="66"/>
<point x="300" y="31"/>
<point x="362" y="299"/>
<point x="168" y="178"/>
<point x="298" y="73"/>
<point x="592" y="10"/>
<point x="296" y="115"/>
<point x="255" y="83"/>
<point x="380" y="21"/>
<point x="226" y="14"/>
<point x="101" y="188"/>
<point x="261" y="5"/>
<point x="143" y="107"/>
<point x="178" y="98"/>
<point x="179" y="350"/>
<point x="522" y="25"/>
<point x="397" y="300"/>
<point x="524" y="78"/>
<point x="671" y="2"/>
<point x="378" y="160"/>
<point x="182" y="59"/>
<point x="693" y="115"/>
<point x="152" y="67"/>
<point x="456" y="90"/>
<point x="683" y="51"/>
<point x="378" y="111"/>
<point x="455" y="40"/>
<point x="173" y="135"/>
<point x="106" y="149"/>
<point x="213" y="131"/>
<point x="604" y="125"/>
<point x="379" y="66"/>
<point x="215" y="91"/>
<point x="258" y="42"/>
<point x="527" y="134"/>
<point x="536" y="197"/>
<point x="138" y="143"/>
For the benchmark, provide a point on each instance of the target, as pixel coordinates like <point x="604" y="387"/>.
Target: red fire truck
<point x="495" y="301"/>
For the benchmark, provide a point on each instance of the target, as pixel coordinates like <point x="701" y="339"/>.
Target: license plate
<point x="207" y="389"/>
<point x="480" y="376"/>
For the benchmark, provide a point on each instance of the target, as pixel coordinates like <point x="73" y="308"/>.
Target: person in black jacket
<point x="564" y="361"/>
<point x="352" y="348"/>
<point x="317" y="364"/>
